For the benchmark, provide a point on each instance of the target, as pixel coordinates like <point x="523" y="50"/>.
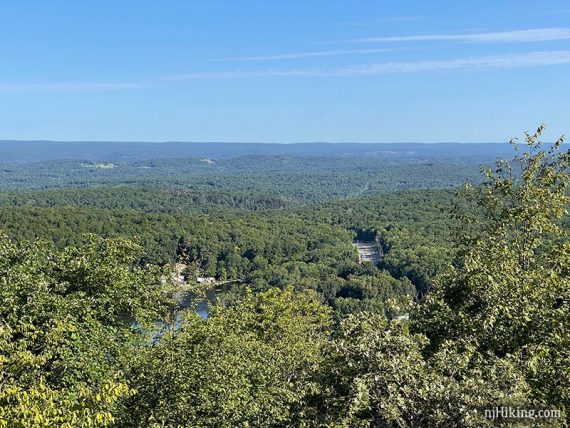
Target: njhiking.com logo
<point x="508" y="412"/>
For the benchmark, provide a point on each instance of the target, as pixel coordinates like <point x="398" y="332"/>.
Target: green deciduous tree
<point x="509" y="296"/>
<point x="65" y="329"/>
<point x="250" y="364"/>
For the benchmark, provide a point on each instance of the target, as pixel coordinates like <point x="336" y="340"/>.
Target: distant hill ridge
<point x="11" y="150"/>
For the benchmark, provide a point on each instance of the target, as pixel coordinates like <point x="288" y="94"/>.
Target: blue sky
<point x="283" y="71"/>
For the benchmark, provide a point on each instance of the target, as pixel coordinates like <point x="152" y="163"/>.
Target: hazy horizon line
<point x="84" y="141"/>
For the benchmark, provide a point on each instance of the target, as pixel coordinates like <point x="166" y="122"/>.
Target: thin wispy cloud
<point x="509" y="61"/>
<point x="556" y="12"/>
<point x="516" y="36"/>
<point x="400" y="19"/>
<point x="300" y="55"/>
<point x="380" y="20"/>
<point x="71" y="87"/>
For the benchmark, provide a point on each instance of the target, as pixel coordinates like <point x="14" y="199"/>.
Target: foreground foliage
<point x="64" y="330"/>
<point x="251" y="364"/>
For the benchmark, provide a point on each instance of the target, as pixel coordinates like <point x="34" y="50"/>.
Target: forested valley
<point x="465" y="306"/>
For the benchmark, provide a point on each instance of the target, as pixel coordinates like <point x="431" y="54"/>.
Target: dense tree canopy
<point x="466" y="309"/>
